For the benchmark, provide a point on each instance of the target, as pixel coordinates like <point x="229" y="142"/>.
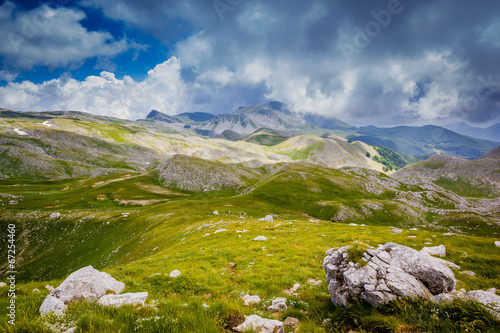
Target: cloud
<point x="162" y="89"/>
<point x="52" y="37"/>
<point x="415" y="61"/>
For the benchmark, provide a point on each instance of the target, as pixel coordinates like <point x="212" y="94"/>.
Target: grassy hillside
<point x="166" y="229"/>
<point x="424" y="141"/>
<point x="477" y="178"/>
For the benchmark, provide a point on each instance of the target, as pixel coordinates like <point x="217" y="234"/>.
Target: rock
<point x="449" y="297"/>
<point x="52" y="304"/>
<point x="291" y="322"/>
<point x="313" y="282"/>
<point x="292" y="291"/>
<point x="439" y="251"/>
<point x="489" y="300"/>
<point x="174" y="274"/>
<point x="326" y="321"/>
<point x="397" y="231"/>
<point x="436" y="275"/>
<point x="497" y="243"/>
<point x="220" y="230"/>
<point x="49" y="288"/>
<point x="36" y="290"/>
<point x="153" y="275"/>
<point x="250" y="299"/>
<point x="492" y="290"/>
<point x="260" y="238"/>
<point x="216" y="212"/>
<point x="3" y="284"/>
<point x="261" y="325"/>
<point x="268" y="218"/>
<point x="278" y="305"/>
<point x="392" y="272"/>
<point x="87" y="283"/>
<point x="123" y="299"/>
<point x="54" y="215"/>
<point x="205" y="306"/>
<point x="469" y="273"/>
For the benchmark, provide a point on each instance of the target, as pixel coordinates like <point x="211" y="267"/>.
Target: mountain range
<point x="420" y="142"/>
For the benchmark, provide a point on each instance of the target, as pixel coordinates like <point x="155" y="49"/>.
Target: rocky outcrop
<point x="91" y="285"/>
<point x="391" y="272"/>
<point x="261" y="325"/>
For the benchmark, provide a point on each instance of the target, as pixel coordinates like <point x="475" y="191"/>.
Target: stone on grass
<point x="469" y="273"/>
<point x="497" y="243"/>
<point x="36" y="290"/>
<point x="260" y="238"/>
<point x="123" y="299"/>
<point x="49" y="288"/>
<point x="88" y="284"/>
<point x="260" y="325"/>
<point x="439" y="251"/>
<point x="391" y="272"/>
<point x="268" y="218"/>
<point x="250" y="299"/>
<point x="174" y="274"/>
<point x="3" y="284"/>
<point x="291" y="322"/>
<point x="52" y="304"/>
<point x="54" y="215"/>
<point x="489" y="300"/>
<point x="397" y="231"/>
<point x="278" y="305"/>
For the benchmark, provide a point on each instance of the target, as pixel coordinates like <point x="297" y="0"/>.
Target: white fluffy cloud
<point x="162" y="89"/>
<point x="52" y="37"/>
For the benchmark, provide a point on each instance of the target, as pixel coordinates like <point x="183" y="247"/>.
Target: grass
<point x="141" y="249"/>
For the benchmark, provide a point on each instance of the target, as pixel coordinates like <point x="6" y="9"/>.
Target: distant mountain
<point x="159" y="116"/>
<point x="195" y="116"/>
<point x="476" y="178"/>
<point x="490" y="133"/>
<point x="275" y="116"/>
<point x="424" y="141"/>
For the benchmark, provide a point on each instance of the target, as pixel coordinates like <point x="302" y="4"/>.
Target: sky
<point x="366" y="62"/>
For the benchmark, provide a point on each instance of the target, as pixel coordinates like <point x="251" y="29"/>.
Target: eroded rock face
<point x="392" y="272"/>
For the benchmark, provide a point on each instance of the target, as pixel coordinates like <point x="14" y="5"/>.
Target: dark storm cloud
<point x="365" y="61"/>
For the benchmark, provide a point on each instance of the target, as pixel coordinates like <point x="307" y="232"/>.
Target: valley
<point x="140" y="199"/>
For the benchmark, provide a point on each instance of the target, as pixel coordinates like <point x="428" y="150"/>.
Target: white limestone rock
<point x="278" y="305"/>
<point x="123" y="299"/>
<point x="439" y="251"/>
<point x="260" y="325"/>
<point x="87" y="283"/>
<point x="174" y="274"/>
<point x="268" y="218"/>
<point x="250" y="299"/>
<point x="52" y="304"/>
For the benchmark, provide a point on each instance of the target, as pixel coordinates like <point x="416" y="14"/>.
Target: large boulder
<point x="87" y="283"/>
<point x="91" y="285"/>
<point x="391" y="272"/>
